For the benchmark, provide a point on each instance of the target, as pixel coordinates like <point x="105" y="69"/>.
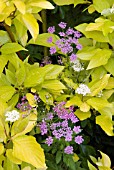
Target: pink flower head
<point x="49" y="140"/>
<point x="77" y="129"/>
<point x="79" y="46"/>
<point x="51" y="29"/>
<point x="62" y="34"/>
<point x="79" y="139"/>
<point x="43" y="127"/>
<point x="52" y="50"/>
<point x="73" y="57"/>
<point x="70" y="31"/>
<point x="68" y="150"/>
<point x="77" y="34"/>
<point x="49" y="40"/>
<point x="62" y="25"/>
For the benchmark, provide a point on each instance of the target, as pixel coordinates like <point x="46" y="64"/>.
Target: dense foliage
<point x="56" y="85"/>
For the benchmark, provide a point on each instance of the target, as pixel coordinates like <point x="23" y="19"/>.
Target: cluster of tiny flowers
<point x="12" y="116"/>
<point x="77" y="66"/>
<point x="51" y="29"/>
<point x="46" y="60"/>
<point x="108" y="11"/>
<point x="68" y="150"/>
<point x="83" y="89"/>
<point x="57" y="124"/>
<point x="24" y="104"/>
<point x="49" y="140"/>
<point x="68" y="41"/>
<point x="112" y="10"/>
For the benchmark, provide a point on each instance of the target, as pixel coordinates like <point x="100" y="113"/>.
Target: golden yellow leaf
<point x="11" y="157"/>
<point x="28" y="150"/>
<point x="31" y="99"/>
<point x="31" y="123"/>
<point x="75" y="157"/>
<point x="1" y="148"/>
<point x="3" y="106"/>
<point x="82" y="115"/>
<point x="33" y="90"/>
<point x="31" y="24"/>
<point x="20" y="5"/>
<point x="8" y="21"/>
<point x="42" y="4"/>
<point x="84" y="107"/>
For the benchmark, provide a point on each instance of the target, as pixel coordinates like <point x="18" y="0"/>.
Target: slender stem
<point x="9" y="32"/>
<point x="44" y="19"/>
<point x="44" y="28"/>
<point x="5" y="132"/>
<point x="12" y="38"/>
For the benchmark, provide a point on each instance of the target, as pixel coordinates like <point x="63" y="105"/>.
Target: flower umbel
<point x="68" y="150"/>
<point x="51" y="29"/>
<point x="83" y="89"/>
<point x="67" y="44"/>
<point x="62" y="25"/>
<point x="49" y="140"/>
<point x="77" y="65"/>
<point x="12" y="116"/>
<point x="52" y="50"/>
<point x="60" y="125"/>
<point x="79" y="139"/>
<point x="73" y="57"/>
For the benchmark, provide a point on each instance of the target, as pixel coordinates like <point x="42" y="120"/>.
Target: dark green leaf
<point x="58" y="157"/>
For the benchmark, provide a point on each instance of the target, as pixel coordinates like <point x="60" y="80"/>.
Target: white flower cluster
<point x="108" y="11"/>
<point x="112" y="10"/>
<point x="77" y="66"/>
<point x="12" y="116"/>
<point x="83" y="89"/>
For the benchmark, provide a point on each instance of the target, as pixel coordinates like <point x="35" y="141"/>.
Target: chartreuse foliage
<point x="20" y="75"/>
<point x="68" y="2"/>
<point x="23" y="15"/>
<point x="97" y="56"/>
<point x="19" y="150"/>
<point x="102" y="163"/>
<point x="17" y="77"/>
<point x="18" y="146"/>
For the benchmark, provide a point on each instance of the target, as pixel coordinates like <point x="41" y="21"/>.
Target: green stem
<point x="44" y="19"/>
<point x="44" y="28"/>
<point x="7" y="28"/>
<point x="9" y="32"/>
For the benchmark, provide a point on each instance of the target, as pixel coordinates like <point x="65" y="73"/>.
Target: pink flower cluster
<point x="61" y="125"/>
<point x="24" y="104"/>
<point x="68" y="43"/>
